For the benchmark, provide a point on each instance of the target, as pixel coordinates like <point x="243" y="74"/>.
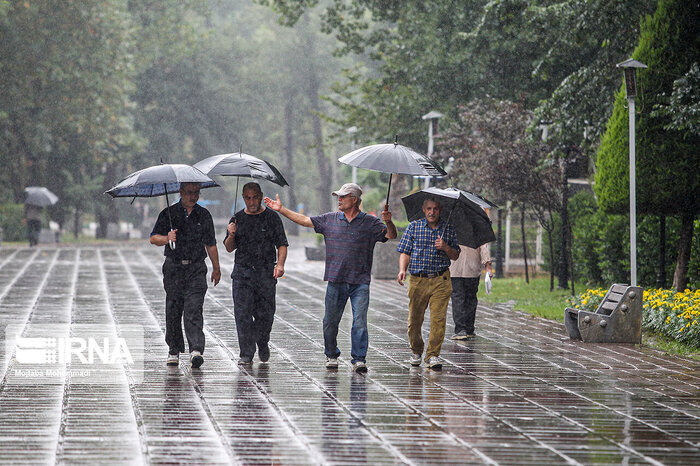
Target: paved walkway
<point x="521" y="393"/>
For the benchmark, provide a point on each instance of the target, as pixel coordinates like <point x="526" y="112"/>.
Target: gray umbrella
<point x="39" y="196"/>
<point x="392" y="158"/>
<point x="159" y="180"/>
<point x="472" y="225"/>
<point x="239" y="164"/>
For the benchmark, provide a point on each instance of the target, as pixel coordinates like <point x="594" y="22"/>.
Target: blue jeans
<point x="337" y="295"/>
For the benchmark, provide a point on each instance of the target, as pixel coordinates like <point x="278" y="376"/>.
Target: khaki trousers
<point x="423" y="292"/>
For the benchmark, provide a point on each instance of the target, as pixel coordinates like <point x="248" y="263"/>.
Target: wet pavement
<point x="520" y="393"/>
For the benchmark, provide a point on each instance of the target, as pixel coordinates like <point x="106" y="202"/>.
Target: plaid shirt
<point x="418" y="241"/>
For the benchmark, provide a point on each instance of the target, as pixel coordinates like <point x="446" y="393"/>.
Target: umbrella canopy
<point x="472" y="225"/>
<point x="240" y="164"/>
<point x="39" y="196"/>
<point x="392" y="158"/>
<point x="158" y="180"/>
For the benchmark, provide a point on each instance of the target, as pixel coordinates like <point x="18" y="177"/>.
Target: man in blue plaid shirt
<point x="426" y="248"/>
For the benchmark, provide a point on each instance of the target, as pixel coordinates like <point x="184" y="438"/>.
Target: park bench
<point x="618" y="318"/>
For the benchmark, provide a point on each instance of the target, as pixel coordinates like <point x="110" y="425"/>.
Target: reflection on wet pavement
<point x="521" y="392"/>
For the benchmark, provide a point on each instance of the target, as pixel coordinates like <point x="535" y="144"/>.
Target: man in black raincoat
<point x="184" y="271"/>
<point x="257" y="235"/>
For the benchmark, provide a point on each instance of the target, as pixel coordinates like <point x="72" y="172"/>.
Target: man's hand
<point x="489" y="270"/>
<point x="386" y="216"/>
<point x="231" y="228"/>
<point x="441" y="244"/>
<point x="278" y="272"/>
<point x="275" y="205"/>
<point x="216" y="276"/>
<point x="172" y="235"/>
<point x="401" y="277"/>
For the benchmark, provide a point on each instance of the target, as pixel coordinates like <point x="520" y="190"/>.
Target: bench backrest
<point x="612" y="299"/>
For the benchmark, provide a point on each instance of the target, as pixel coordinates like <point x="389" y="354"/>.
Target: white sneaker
<point x="196" y="359"/>
<point x="331" y="363"/>
<point x="359" y="366"/>
<point x="434" y="363"/>
<point x="173" y="360"/>
<point x="416" y="359"/>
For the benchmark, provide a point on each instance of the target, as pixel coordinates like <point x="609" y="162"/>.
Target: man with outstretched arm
<point x="185" y="272"/>
<point x="350" y="236"/>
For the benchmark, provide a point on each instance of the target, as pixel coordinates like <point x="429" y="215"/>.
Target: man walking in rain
<point x="426" y="248"/>
<point x="185" y="272"/>
<point x="257" y="235"/>
<point x="350" y="236"/>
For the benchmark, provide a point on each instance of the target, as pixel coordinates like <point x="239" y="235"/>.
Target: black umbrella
<point x="159" y="180"/>
<point x="39" y="196"/>
<point x="239" y="164"/>
<point x="472" y="225"/>
<point x="392" y="158"/>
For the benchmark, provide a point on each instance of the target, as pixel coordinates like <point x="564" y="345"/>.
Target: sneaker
<point x="359" y="366"/>
<point x="245" y="361"/>
<point x="470" y="336"/>
<point x="196" y="359"/>
<point x="264" y="353"/>
<point x="416" y="359"/>
<point x="461" y="335"/>
<point x="173" y="360"/>
<point x="331" y="363"/>
<point x="434" y="363"/>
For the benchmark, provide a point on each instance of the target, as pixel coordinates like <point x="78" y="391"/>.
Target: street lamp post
<point x="352" y="131"/>
<point x="629" y="68"/>
<point x="432" y="118"/>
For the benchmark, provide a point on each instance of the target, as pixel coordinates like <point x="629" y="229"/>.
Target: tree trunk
<point x="563" y="266"/>
<point x="522" y="228"/>
<point x="661" y="275"/>
<point x="551" y="252"/>
<point x="685" y="242"/>
<point x="292" y="228"/>
<point x="499" y="242"/>
<point x="76" y="224"/>
<point x="324" y="165"/>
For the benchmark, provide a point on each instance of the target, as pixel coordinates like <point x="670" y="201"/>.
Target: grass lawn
<point x="536" y="299"/>
<point x="533" y="298"/>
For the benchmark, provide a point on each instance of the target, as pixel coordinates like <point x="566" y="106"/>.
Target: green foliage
<point x="11" y="222"/>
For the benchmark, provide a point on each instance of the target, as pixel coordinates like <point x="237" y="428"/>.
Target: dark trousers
<point x="464" y="303"/>
<point x="185" y="288"/>
<point x="253" y="306"/>
<point x="33" y="230"/>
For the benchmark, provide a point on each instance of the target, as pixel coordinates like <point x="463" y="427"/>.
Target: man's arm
<point x="230" y="241"/>
<point x="213" y="253"/>
<point x="295" y="217"/>
<point x="404" y="260"/>
<point x="162" y="240"/>
<point x="281" y="259"/>
<point x="390" y="227"/>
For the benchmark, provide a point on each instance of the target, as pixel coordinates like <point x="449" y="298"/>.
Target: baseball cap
<point x="348" y="188"/>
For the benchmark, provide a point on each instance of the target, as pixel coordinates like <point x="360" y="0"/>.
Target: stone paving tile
<point x="520" y="393"/>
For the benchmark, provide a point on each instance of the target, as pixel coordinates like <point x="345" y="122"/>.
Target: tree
<point x="667" y="160"/>
<point x="493" y="153"/>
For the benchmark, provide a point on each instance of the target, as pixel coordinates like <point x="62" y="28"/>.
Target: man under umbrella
<point x="350" y="236"/>
<point x="426" y="248"/>
<point x="187" y="240"/>
<point x="257" y="235"/>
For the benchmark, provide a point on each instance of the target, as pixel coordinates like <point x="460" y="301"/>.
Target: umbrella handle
<point x="386" y="206"/>
<point x="167" y="207"/>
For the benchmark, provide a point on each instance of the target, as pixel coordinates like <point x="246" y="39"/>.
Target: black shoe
<point x="264" y="353"/>
<point x="196" y="359"/>
<point x="245" y="361"/>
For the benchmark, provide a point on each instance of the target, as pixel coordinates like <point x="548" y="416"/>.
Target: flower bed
<point x="674" y="315"/>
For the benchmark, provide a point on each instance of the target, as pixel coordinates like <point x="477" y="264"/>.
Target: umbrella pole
<point x="386" y="206"/>
<point x="235" y="197"/>
<point x="170" y="219"/>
